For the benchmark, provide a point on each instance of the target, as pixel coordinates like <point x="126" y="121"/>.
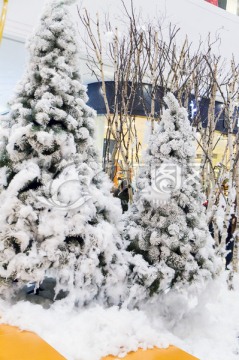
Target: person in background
<point x="230" y="240"/>
<point x="123" y="195"/>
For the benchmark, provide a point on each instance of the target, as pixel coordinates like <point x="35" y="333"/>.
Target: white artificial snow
<point x="209" y="330"/>
<point x="109" y="37"/>
<point x="3" y="176"/>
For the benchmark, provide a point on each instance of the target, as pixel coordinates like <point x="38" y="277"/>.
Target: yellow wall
<point x="143" y="129"/>
<point x="219" y="143"/>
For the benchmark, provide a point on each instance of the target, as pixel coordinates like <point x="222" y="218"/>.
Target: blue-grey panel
<point x="140" y="103"/>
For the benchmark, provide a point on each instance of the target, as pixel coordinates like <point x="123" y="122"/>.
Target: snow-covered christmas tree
<point x="57" y="216"/>
<point x="167" y="224"/>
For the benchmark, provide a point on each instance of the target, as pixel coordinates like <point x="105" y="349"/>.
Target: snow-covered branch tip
<point x="62" y="2"/>
<point x="171" y="101"/>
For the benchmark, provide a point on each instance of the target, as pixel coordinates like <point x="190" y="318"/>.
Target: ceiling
<point x="23" y="16"/>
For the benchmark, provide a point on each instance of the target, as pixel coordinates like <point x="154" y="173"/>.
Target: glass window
<point x="222" y="4"/>
<point x="231" y="6"/>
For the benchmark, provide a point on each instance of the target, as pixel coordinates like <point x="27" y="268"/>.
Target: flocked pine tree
<point x="167" y="224"/>
<point x="57" y="214"/>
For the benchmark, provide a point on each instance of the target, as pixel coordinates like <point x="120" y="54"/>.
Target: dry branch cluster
<point x="147" y="59"/>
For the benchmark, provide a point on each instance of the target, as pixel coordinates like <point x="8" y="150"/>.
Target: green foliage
<point x="154" y="287"/>
<point x="4" y="159"/>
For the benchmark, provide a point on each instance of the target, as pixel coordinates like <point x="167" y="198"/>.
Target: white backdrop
<point x="195" y="18"/>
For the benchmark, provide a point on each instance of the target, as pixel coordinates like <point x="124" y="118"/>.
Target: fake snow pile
<point x="209" y="331"/>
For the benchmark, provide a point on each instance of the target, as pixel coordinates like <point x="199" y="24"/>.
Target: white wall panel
<point x="195" y="18"/>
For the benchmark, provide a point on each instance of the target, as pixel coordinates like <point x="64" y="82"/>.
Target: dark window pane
<point x="222" y="4"/>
